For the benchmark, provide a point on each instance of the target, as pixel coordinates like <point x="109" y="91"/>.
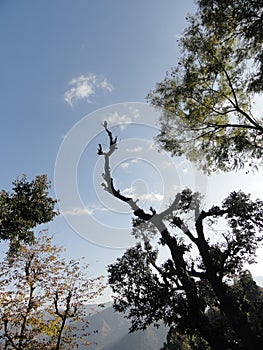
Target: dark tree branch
<point x="56" y="305"/>
<point x="109" y="180"/>
<point x="166" y="276"/>
<point x="230" y="125"/>
<point x="178" y="222"/>
<point x="198" y="274"/>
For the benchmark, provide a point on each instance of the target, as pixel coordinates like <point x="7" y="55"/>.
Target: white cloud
<point x="85" y="86"/>
<point x="115" y="118"/>
<point x="154" y="197"/>
<point x="105" y="85"/>
<point x="125" y="165"/>
<point x="122" y="120"/>
<point x="79" y="211"/>
<point x="157" y="197"/>
<point x="85" y="211"/>
<point x="134" y="150"/>
<point x="135" y="112"/>
<point x="129" y="192"/>
<point x="135" y="161"/>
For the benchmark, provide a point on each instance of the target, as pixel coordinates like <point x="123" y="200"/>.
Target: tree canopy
<point x="21" y="210"/>
<point x="43" y="297"/>
<point x="207" y="99"/>
<point x="196" y="277"/>
<point x="248" y="295"/>
<point x="241" y="19"/>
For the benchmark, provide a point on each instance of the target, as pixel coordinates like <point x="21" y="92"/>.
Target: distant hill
<point x="113" y="333"/>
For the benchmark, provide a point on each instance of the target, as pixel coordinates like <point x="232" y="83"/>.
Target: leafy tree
<point x="21" y="210"/>
<point x="206" y="101"/>
<point x="177" y="341"/>
<point x="196" y="277"/>
<point x="241" y="19"/>
<point x="249" y="297"/>
<point x="43" y="297"/>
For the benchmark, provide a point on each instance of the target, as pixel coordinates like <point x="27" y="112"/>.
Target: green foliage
<point x="249" y="298"/>
<point x="27" y="206"/>
<point x="206" y="99"/>
<point x="241" y="19"/>
<point x="43" y="298"/>
<point x="177" y="341"/>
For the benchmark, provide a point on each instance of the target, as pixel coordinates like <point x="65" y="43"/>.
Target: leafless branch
<point x="109" y="184"/>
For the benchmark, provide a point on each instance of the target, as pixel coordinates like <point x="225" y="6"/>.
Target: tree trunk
<point x="215" y="340"/>
<point x="237" y="319"/>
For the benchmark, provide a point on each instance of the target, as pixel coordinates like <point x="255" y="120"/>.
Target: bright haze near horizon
<point x="66" y="66"/>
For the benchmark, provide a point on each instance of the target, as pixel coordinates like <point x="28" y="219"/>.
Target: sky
<point x="66" y="66"/>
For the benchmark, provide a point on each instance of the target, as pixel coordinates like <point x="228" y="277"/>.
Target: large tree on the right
<point x="206" y="101"/>
<point x="186" y="278"/>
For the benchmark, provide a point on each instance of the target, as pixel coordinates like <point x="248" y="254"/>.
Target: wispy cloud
<point x="154" y="197"/>
<point x="129" y="192"/>
<point x="85" y="86"/>
<point x="85" y="211"/>
<point x="79" y="211"/>
<point x="121" y="119"/>
<point x="134" y="150"/>
<point x="157" y="197"/>
<point x="125" y="165"/>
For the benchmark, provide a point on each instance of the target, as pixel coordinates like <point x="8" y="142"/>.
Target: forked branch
<point x="109" y="184"/>
<point x="156" y="219"/>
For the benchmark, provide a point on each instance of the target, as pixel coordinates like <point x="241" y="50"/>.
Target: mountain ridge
<point x="109" y="330"/>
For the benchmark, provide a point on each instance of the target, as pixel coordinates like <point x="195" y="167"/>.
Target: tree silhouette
<point x="197" y="275"/>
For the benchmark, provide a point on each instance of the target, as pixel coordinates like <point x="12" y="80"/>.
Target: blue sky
<point x="61" y="62"/>
<point x="45" y="45"/>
